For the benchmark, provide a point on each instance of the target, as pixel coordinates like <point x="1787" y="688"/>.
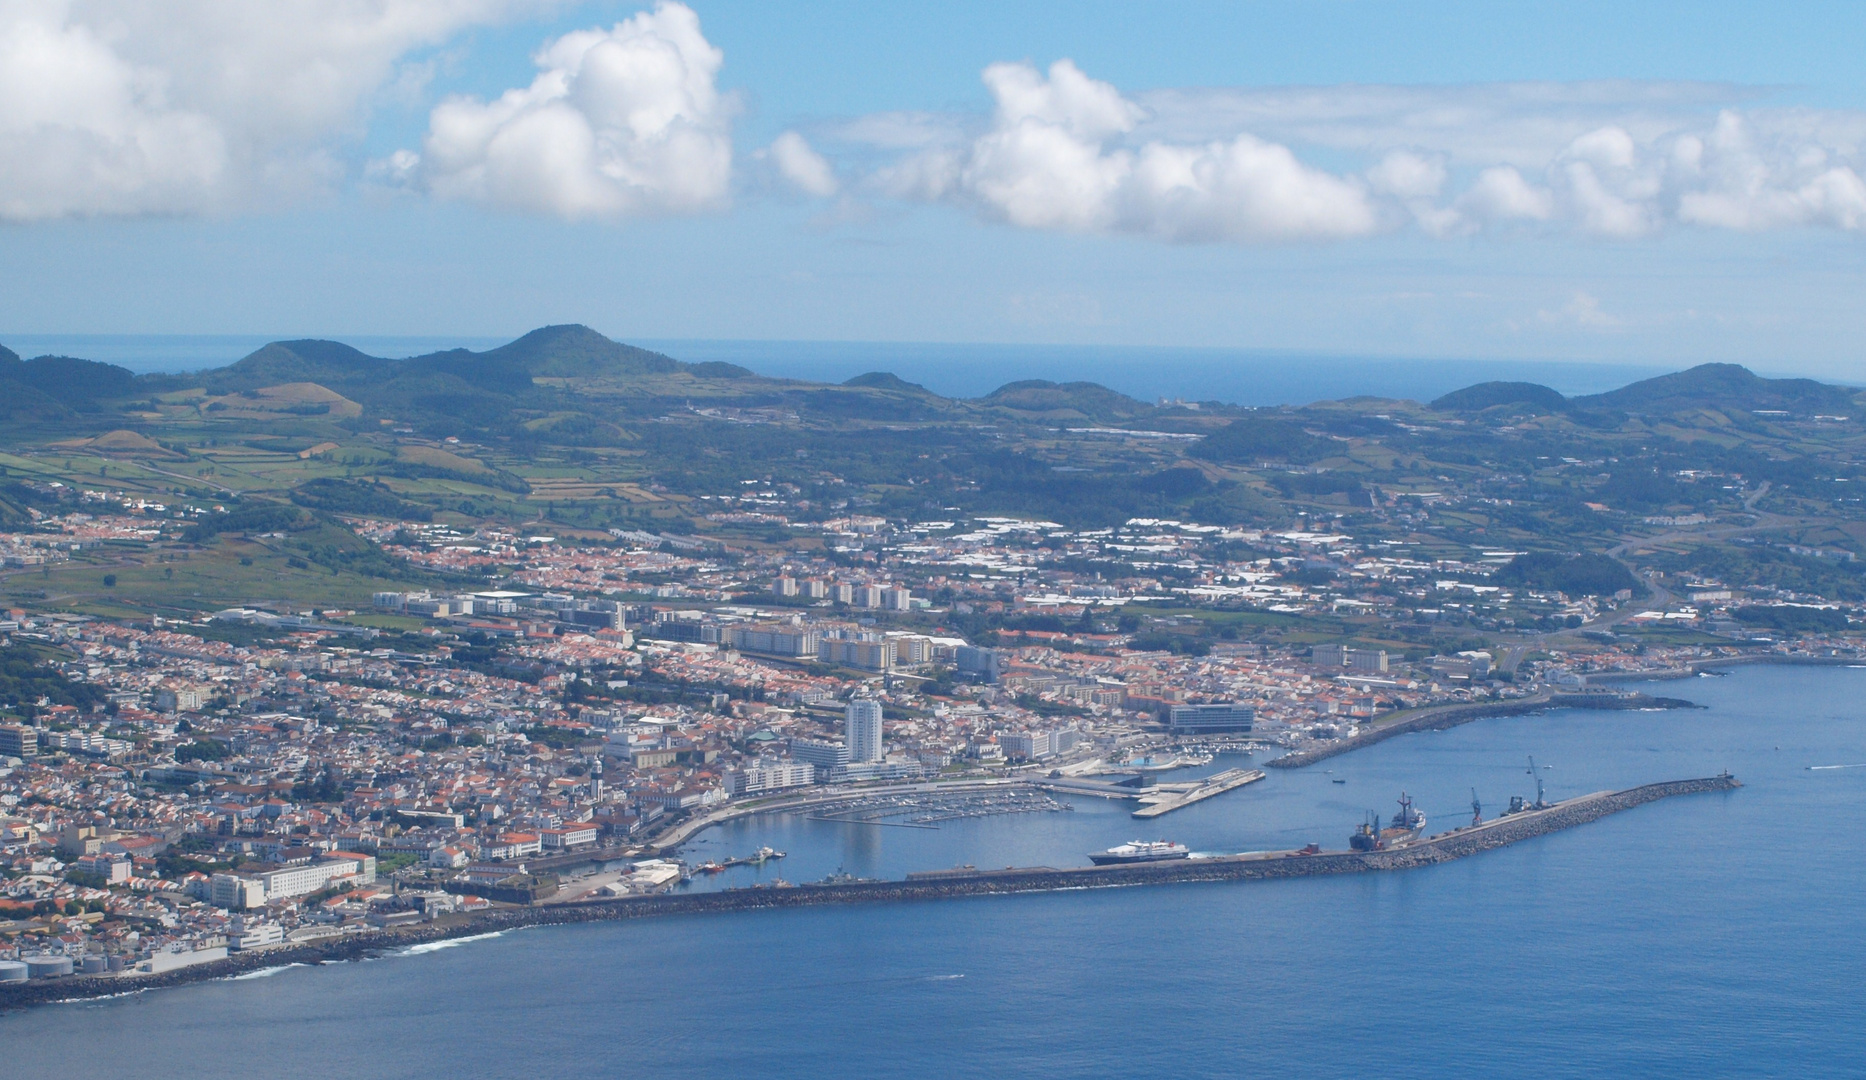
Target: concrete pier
<point x="1162" y="800"/>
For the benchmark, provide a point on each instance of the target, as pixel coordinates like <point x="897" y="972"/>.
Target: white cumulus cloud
<point x="1737" y="181"/>
<point x="803" y="167"/>
<point x="1244" y="189"/>
<point x="1408" y="175"/>
<point x="191" y="106"/>
<point x="1500" y="193"/>
<point x="617" y="122"/>
<point x="1616" y="160"/>
<point x="1058" y="154"/>
<point x="1414" y="181"/>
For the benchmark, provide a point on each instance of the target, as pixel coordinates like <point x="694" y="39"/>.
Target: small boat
<point x="708" y="867"/>
<point x="1337" y="781"/>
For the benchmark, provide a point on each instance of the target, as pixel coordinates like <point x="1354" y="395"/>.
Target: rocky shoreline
<point x="1697" y="667"/>
<point x="1442" y="848"/>
<point x="1438" y="718"/>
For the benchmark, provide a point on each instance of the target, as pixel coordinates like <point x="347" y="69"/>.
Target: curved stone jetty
<point x="937" y="885"/>
<point x="1440" y="717"/>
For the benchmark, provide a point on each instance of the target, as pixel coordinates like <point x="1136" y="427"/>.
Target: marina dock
<point x="1166" y="798"/>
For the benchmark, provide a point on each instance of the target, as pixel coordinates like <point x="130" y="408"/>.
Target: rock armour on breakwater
<point x="1443" y="848"/>
<point x="1691" y="669"/>
<point x="1449" y="716"/>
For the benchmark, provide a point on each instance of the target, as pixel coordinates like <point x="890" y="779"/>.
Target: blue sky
<point x="1653" y="183"/>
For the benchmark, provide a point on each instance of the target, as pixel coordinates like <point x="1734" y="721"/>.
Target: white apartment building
<point x="770" y="775"/>
<point x="862" y="731"/>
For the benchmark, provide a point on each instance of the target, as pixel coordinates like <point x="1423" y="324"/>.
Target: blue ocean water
<point x="1705" y="936"/>
<point x="1237" y="376"/>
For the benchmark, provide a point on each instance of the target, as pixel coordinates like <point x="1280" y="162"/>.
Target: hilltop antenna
<point x="1477" y="809"/>
<point x="1541" y="803"/>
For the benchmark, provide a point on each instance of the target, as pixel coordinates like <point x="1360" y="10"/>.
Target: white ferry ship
<point x="1140" y="851"/>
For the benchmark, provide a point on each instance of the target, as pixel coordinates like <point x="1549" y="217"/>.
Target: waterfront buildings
<point x="1215" y="718"/>
<point x="1036" y="745"/>
<point x="825" y="756"/>
<point x="251" y="887"/>
<point x="767" y="775"/>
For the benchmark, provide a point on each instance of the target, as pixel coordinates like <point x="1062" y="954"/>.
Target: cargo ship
<point x="1407" y="825"/>
<point x="1140" y="851"/>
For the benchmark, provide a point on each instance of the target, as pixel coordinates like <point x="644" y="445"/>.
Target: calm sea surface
<point x="1707" y="936"/>
<point x="1236" y="376"/>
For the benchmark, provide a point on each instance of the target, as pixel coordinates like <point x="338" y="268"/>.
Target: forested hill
<point x="548" y="352"/>
<point x="1727" y="387"/>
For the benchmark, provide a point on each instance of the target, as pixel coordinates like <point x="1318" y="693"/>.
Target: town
<point x="175" y="790"/>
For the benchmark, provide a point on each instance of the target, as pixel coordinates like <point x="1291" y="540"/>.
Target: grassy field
<point x="230" y="573"/>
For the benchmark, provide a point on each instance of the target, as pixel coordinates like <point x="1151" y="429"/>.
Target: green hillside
<point x="568" y="428"/>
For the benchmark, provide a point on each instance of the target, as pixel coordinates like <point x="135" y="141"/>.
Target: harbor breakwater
<point x="1457" y="844"/>
<point x="1693" y="668"/>
<point x="1440" y="717"/>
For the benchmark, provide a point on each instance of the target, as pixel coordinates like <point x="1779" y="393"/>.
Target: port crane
<point x="1541" y="803"/>
<point x="1477" y="809"/>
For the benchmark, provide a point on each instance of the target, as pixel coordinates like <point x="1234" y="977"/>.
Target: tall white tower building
<point x="861" y="730"/>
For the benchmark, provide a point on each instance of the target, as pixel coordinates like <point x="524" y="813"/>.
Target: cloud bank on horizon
<point x="1620" y="160"/>
<point x="112" y="108"/>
